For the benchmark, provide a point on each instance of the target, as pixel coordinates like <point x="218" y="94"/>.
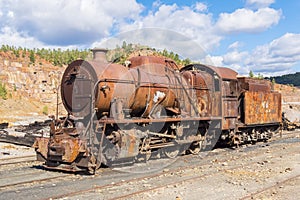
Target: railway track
<point x="278" y="184"/>
<point x="21" y="170"/>
<point x="11" y="187"/>
<point x="157" y="181"/>
<point x="34" y="177"/>
<point x="109" y="183"/>
<point x="17" y="160"/>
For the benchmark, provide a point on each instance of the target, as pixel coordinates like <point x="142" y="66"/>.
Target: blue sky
<point x="258" y="35"/>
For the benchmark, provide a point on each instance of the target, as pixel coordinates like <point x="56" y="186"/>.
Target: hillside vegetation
<point x="288" y="79"/>
<point x="57" y="57"/>
<point x="122" y="53"/>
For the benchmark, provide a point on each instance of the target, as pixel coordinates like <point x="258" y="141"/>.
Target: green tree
<point x="186" y="61"/>
<point x="3" y="91"/>
<point x="273" y="81"/>
<point x="16" y="52"/>
<point x="32" y="56"/>
<point x="260" y="76"/>
<point x="251" y="75"/>
<point x="124" y="45"/>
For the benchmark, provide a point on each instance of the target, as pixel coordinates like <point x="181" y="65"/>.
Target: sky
<point x="262" y="36"/>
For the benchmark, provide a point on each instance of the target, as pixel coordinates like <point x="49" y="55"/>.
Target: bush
<point x="3" y="91"/>
<point x="32" y="56"/>
<point x="45" y="110"/>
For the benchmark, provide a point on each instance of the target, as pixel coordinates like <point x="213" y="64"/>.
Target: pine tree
<point x="3" y="91"/>
<point x="32" y="56"/>
<point x="251" y="75"/>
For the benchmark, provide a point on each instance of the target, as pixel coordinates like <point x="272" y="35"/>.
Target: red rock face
<point x="28" y="83"/>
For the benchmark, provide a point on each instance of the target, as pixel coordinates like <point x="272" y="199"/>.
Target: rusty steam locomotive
<point x="120" y="114"/>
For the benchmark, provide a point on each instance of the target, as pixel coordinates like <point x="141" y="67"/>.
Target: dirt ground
<point x="11" y="150"/>
<point x="13" y="110"/>
<point x="266" y="171"/>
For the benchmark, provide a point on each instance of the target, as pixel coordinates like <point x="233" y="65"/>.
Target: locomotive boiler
<point x="122" y="114"/>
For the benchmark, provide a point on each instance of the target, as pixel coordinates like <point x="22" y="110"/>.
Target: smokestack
<point x="99" y="54"/>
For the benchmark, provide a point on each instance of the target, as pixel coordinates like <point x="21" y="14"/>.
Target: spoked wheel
<point x="91" y="169"/>
<point x="145" y="151"/>
<point x="196" y="147"/>
<point x="199" y="145"/>
<point x="144" y="157"/>
<point x="171" y="152"/>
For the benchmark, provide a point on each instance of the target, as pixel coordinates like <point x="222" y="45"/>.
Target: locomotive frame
<point x="120" y="115"/>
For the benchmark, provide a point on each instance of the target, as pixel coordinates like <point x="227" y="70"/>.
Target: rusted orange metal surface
<point x="199" y="90"/>
<point x="139" y="90"/>
<point x="230" y="113"/>
<point x="262" y="107"/>
<point x="61" y="148"/>
<point x="139" y="61"/>
<point x="229" y="102"/>
<point x="41" y="147"/>
<point x="224" y="73"/>
<point x="254" y="84"/>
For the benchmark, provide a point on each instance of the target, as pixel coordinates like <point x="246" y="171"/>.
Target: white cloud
<point x="234" y="57"/>
<point x="200" y="7"/>
<point x="246" y="20"/>
<point x="235" y="45"/>
<point x="69" y="21"/>
<point x="184" y="20"/>
<point x="278" y="56"/>
<point x="213" y="60"/>
<point x="189" y="31"/>
<point x="10" y="14"/>
<point x="281" y="54"/>
<point x="288" y="46"/>
<point x="19" y="39"/>
<point x="157" y="38"/>
<point x="78" y="22"/>
<point x="259" y="3"/>
<point x="13" y="38"/>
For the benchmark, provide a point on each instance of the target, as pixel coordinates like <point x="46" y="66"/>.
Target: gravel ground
<point x="10" y="150"/>
<point x="261" y="171"/>
<point x="276" y="168"/>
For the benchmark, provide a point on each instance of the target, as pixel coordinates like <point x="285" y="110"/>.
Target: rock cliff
<point x="34" y="86"/>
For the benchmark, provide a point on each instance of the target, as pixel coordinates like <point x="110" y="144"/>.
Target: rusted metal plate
<point x="224" y="73"/>
<point x="129" y="145"/>
<point x="254" y="84"/>
<point x="78" y="85"/>
<point x="146" y="60"/>
<point x="41" y="146"/>
<point x="200" y="90"/>
<point x="64" y="149"/>
<point x="262" y="107"/>
<point x="230" y="113"/>
<point x="230" y="107"/>
<point x="216" y="105"/>
<point x="229" y="103"/>
<point x="229" y="123"/>
<point x="208" y="76"/>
